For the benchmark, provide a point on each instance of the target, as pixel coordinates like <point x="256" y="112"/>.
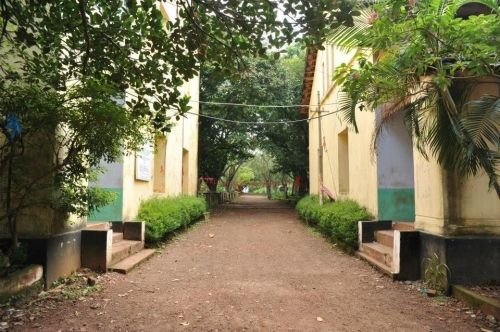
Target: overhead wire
<point x="255" y="105"/>
<point x="263" y="122"/>
<point x="325" y="113"/>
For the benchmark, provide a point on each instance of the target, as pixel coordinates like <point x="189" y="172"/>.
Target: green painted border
<point x="112" y="211"/>
<point x="396" y="204"/>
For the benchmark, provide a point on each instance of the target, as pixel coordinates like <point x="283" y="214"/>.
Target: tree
<point x="49" y="146"/>
<point x="263" y="166"/>
<point x="428" y="61"/>
<point x="73" y="59"/>
<point x="222" y="144"/>
<point x="288" y="143"/>
<point x="264" y="82"/>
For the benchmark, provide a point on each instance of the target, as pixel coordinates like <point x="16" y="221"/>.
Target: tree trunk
<point x="11" y="217"/>
<point x="212" y="186"/>
<point x="268" y="189"/>
<point x="304" y="183"/>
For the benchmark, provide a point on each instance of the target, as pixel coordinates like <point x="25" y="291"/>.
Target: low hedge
<point x="164" y="215"/>
<point x="337" y="220"/>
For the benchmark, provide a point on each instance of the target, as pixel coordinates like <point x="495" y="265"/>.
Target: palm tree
<point x="428" y="64"/>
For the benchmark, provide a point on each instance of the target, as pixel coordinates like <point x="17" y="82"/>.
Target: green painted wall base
<point x="112" y="211"/>
<point x="396" y="204"/>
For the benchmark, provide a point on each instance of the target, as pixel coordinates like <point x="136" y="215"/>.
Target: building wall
<point x="173" y="165"/>
<point x="343" y="147"/>
<point x="179" y="144"/>
<point x="448" y="205"/>
<point x="395" y="193"/>
<point x="112" y="181"/>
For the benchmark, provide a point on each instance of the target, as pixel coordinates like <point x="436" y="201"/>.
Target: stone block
<point x="134" y="230"/>
<point x="96" y="249"/>
<point x="20" y="280"/>
<point x="366" y="229"/>
<point x="406" y="255"/>
<point x="63" y="256"/>
<point x="117" y="226"/>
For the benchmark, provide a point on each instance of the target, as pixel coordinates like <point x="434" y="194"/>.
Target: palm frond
<point x="348" y="38"/>
<point x="467" y="143"/>
<point x="347" y="107"/>
<point x="481" y="120"/>
<point x="480" y="123"/>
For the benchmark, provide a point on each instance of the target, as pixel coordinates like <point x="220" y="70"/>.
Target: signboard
<point x="143" y="163"/>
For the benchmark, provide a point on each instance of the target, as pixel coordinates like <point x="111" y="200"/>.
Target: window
<point x="343" y="158"/>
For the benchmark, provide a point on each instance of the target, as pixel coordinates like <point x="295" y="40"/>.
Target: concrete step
<point x="403" y="226"/>
<point x="98" y="225"/>
<point x="379" y="252"/>
<point x="385" y="237"/>
<point x="132" y="261"/>
<point x="117" y="237"/>
<point x="122" y="249"/>
<point x="380" y="266"/>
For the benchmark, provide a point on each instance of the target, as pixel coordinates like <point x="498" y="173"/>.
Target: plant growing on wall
<point x="426" y="62"/>
<point x="49" y="144"/>
<point x="436" y="275"/>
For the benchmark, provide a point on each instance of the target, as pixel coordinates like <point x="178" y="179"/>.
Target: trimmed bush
<point x="337" y="220"/>
<point x="164" y="215"/>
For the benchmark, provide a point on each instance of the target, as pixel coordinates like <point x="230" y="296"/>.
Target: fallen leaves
<point x="319" y="319"/>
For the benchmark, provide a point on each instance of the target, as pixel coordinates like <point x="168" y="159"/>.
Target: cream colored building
<point x="459" y="219"/>
<point x="165" y="167"/>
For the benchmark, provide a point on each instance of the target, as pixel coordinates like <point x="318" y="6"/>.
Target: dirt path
<point x="262" y="270"/>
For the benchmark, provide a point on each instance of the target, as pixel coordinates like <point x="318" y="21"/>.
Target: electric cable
<point x="255" y="105"/>
<point x="262" y="122"/>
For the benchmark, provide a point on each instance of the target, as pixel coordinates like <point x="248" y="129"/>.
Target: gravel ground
<point x="255" y="267"/>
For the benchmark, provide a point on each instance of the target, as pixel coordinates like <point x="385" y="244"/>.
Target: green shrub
<point x="164" y="215"/>
<point x="337" y="220"/>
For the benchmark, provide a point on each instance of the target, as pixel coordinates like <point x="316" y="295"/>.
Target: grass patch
<point x="163" y="216"/>
<point x="336" y="220"/>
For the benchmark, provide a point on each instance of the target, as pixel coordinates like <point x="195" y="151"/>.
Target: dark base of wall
<point x="59" y="254"/>
<point x="471" y="259"/>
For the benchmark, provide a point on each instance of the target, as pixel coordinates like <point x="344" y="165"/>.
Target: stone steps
<point x="127" y="264"/>
<point x="390" y="246"/>
<point x="380" y="266"/>
<point x="117" y="237"/>
<point x="378" y="252"/>
<point x="385" y="237"/>
<point x="123" y="249"/>
<point x="403" y="226"/>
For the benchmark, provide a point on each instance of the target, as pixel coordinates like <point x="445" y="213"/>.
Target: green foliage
<point x="98" y="198"/>
<point x="245" y="175"/>
<point x="14" y="259"/>
<point x="436" y="274"/>
<point x="165" y="215"/>
<point x="337" y="220"/>
<point x="64" y="138"/>
<point x="262" y="82"/>
<point x="428" y="62"/>
<point x="65" y="64"/>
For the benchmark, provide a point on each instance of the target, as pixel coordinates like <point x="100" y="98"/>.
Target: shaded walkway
<point x="254" y="267"/>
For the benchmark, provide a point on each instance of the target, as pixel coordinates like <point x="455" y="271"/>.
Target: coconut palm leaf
<point x="481" y="121"/>
<point x="347" y="108"/>
<point x="352" y="37"/>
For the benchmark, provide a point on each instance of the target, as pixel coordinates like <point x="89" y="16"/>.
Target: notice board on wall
<point x="143" y="163"/>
